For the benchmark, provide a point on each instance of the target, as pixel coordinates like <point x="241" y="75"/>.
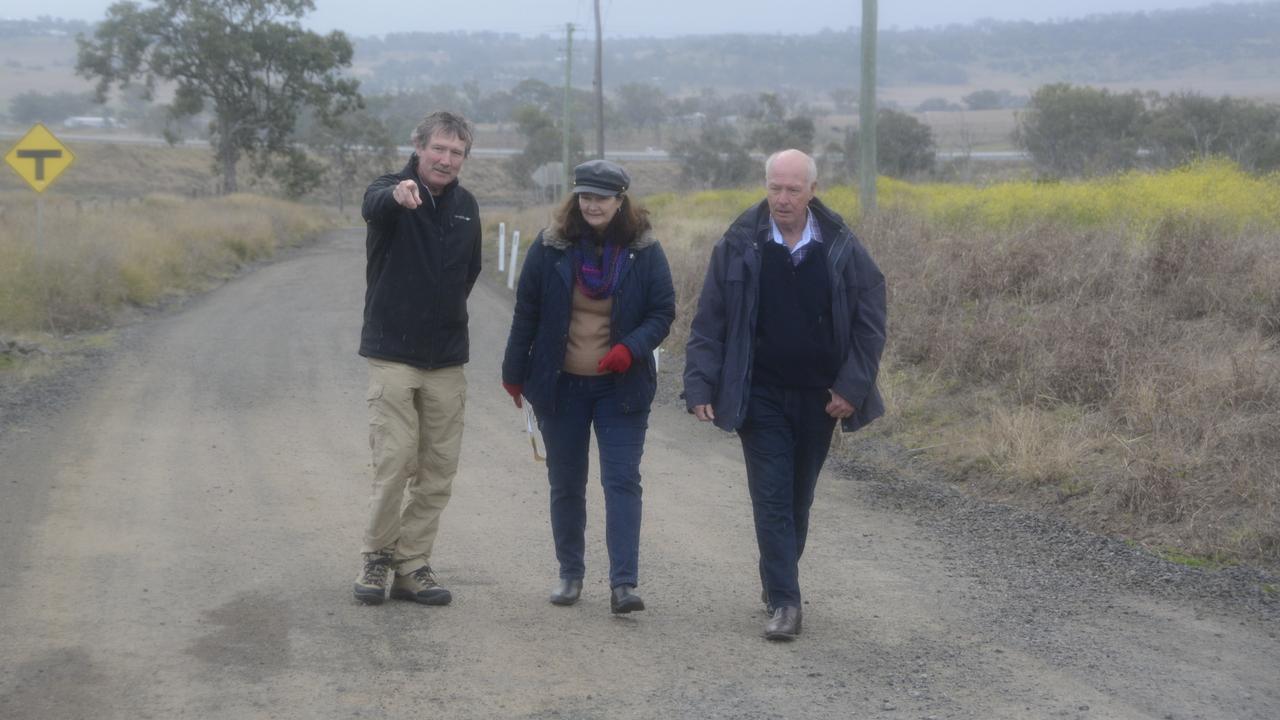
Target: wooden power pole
<point x="599" y="87"/>
<point x="867" y="170"/>
<point x="565" y="121"/>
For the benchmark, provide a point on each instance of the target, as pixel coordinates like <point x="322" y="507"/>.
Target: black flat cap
<point x="600" y="177"/>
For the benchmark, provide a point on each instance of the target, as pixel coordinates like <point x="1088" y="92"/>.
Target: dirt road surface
<point x="180" y="531"/>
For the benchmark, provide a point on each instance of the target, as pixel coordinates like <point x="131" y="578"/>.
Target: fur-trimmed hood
<point x="552" y="239"/>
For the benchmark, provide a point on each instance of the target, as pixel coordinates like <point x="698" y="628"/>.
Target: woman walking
<point x="595" y="298"/>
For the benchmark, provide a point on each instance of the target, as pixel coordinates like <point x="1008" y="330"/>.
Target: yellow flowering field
<point x="1216" y="192"/>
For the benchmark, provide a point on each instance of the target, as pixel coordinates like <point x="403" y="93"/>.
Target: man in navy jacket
<point x="423" y="258"/>
<point x="786" y="340"/>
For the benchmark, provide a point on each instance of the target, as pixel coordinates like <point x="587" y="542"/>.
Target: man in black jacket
<point x="423" y="254"/>
<point x="786" y="341"/>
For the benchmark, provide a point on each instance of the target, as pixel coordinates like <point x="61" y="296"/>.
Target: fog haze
<point x="650" y="17"/>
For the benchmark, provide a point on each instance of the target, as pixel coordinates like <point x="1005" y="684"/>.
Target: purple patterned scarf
<point x="598" y="273"/>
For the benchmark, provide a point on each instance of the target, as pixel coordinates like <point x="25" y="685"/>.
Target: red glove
<point x="617" y="360"/>
<point x="515" y="391"/>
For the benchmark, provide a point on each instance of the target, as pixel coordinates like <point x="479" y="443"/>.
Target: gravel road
<point x="181" y="522"/>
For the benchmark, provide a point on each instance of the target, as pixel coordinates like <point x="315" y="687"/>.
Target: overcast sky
<point x="643" y="17"/>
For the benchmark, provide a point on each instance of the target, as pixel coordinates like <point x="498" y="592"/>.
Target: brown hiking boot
<point x="371" y="584"/>
<point x="420" y="586"/>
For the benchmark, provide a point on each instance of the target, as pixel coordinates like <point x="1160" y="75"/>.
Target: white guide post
<point x="511" y="267"/>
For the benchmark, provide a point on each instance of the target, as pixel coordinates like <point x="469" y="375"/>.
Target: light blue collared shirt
<point x="811" y="234"/>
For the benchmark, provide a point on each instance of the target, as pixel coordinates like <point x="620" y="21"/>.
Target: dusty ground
<point x="181" y="523"/>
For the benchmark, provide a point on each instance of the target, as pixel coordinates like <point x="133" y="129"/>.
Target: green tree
<point x="296" y="171"/>
<point x="542" y="143"/>
<point x="1189" y="126"/>
<point x="356" y="145"/>
<point x="642" y="105"/>
<point x="1254" y="138"/>
<point x="715" y="159"/>
<point x="1074" y="131"/>
<point x="249" y="59"/>
<point x="31" y="106"/>
<point x="983" y="100"/>
<point x="795" y="132"/>
<point x="904" y="145"/>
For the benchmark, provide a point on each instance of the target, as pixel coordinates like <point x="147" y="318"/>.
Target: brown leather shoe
<point x="420" y="586"/>
<point x="784" y="625"/>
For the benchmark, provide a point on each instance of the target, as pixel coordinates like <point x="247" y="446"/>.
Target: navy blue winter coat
<point x="644" y="304"/>
<point x="719" y="355"/>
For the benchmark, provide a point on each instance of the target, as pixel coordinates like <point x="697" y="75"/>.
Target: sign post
<point x="39" y="158"/>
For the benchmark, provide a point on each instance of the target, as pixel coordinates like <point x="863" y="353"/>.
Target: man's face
<point x="440" y="160"/>
<point x="789" y="190"/>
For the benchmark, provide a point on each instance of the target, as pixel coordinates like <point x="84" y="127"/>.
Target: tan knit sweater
<point x="588" y="334"/>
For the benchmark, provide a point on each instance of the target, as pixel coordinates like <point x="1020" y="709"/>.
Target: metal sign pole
<point x="39" y="223"/>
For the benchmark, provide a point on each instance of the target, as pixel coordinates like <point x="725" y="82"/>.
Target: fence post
<point x="511" y="268"/>
<point x="502" y="246"/>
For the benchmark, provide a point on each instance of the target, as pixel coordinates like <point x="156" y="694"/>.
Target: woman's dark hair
<point x="630" y="222"/>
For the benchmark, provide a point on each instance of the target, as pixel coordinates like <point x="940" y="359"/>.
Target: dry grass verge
<point x="94" y="260"/>
<point x="1136" y="383"/>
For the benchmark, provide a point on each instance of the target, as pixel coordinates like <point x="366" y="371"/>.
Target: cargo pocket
<point x="377" y="420"/>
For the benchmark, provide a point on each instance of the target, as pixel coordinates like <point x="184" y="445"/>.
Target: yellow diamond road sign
<point x="39" y="158"/>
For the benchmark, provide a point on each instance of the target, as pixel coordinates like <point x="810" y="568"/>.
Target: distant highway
<point x="476" y="151"/>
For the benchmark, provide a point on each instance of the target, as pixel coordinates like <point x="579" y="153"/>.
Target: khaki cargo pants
<point x="415" y="432"/>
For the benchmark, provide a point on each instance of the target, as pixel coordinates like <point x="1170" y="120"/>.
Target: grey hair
<point x="445" y="122"/>
<point x="812" y="166"/>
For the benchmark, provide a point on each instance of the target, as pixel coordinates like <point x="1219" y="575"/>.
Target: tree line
<point x="271" y="90"/>
<point x="1073" y="131"/>
<point x="1116" y="47"/>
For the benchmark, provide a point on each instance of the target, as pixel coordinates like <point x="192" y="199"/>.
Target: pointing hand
<point x="406" y="193"/>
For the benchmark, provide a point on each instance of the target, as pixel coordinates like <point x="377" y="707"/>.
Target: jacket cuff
<point x="854" y="394"/>
<point x="694" y="396"/>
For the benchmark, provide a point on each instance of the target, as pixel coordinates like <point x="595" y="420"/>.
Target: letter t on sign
<point x="39" y="156"/>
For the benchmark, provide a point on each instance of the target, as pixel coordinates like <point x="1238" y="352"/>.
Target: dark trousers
<point x="785" y="439"/>
<point x="580" y="403"/>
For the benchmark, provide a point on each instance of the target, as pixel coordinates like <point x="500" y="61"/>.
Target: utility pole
<point x="565" y="126"/>
<point x="867" y="170"/>
<point x="599" y="87"/>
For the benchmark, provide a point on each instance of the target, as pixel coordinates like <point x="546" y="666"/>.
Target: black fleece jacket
<point x="421" y="267"/>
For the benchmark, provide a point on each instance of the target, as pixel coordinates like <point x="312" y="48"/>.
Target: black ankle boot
<point x="567" y="592"/>
<point x="784" y="624"/>
<point x="624" y="600"/>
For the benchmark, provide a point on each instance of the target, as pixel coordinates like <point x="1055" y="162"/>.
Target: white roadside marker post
<point x="511" y="268"/>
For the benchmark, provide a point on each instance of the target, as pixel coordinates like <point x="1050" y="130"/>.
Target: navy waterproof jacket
<point x="422" y="264"/>
<point x="719" y="355"/>
<point x="644" y="304"/>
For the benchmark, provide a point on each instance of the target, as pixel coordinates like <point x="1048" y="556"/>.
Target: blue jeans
<point x="785" y="438"/>
<point x="580" y="402"/>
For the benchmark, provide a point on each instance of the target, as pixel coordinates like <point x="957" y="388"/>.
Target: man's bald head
<point x="791" y="158"/>
<point x="790" y="181"/>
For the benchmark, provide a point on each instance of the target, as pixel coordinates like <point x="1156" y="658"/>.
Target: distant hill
<point x="1240" y="41"/>
<point x="1222" y="49"/>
